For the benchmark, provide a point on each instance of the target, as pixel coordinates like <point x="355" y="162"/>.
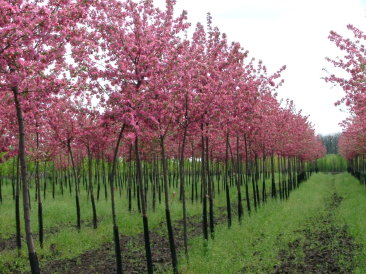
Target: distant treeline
<point x="330" y="142"/>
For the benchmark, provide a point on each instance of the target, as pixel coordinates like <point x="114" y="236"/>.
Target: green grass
<point x="68" y="242"/>
<point x="253" y="246"/>
<point x="352" y="213"/>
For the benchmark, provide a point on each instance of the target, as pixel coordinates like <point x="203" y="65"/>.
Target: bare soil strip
<point x="102" y="260"/>
<point x="324" y="248"/>
<point x="7" y="244"/>
<point x="10" y="243"/>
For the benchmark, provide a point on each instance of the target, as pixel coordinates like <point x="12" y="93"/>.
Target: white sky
<point x="292" y="33"/>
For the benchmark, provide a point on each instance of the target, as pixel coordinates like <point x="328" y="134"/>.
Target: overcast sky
<point x="291" y="33"/>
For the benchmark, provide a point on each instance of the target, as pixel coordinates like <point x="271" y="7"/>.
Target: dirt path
<point x="102" y="260"/>
<point x="10" y="243"/>
<point x="323" y="246"/>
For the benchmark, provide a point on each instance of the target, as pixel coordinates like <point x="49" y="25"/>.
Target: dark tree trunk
<point x="256" y="173"/>
<point x="210" y="192"/>
<point x="39" y="197"/>
<point x="238" y="181"/>
<point x="77" y="201"/>
<point x="273" y="189"/>
<point x="143" y="208"/>
<point x="13" y="177"/>
<point x="226" y="182"/>
<point x="17" y="210"/>
<point x="91" y="190"/>
<point x="204" y="189"/>
<point x="129" y="188"/>
<point x="182" y="186"/>
<point x="33" y="259"/>
<point x="167" y="209"/>
<point x="264" y="191"/>
<point x="281" y="176"/>
<point x="112" y="175"/>
<point x="247" y="174"/>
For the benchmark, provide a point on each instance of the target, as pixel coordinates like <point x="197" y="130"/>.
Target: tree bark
<point x="39" y="196"/>
<point x="33" y="259"/>
<point x="117" y="245"/>
<point x="17" y="210"/>
<point x="247" y="174"/>
<point x="182" y="182"/>
<point x="204" y="189"/>
<point x="77" y="201"/>
<point x="167" y="209"/>
<point x="273" y="189"/>
<point x="226" y="182"/>
<point x="91" y="190"/>
<point x="143" y="208"/>
<point x="238" y="181"/>
<point x="210" y="192"/>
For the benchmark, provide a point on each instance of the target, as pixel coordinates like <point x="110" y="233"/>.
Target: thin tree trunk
<point x="280" y="177"/>
<point x="167" y="209"/>
<point x="129" y="187"/>
<point x="204" y="189"/>
<point x="112" y="174"/>
<point x="39" y="197"/>
<point x="143" y="208"/>
<point x="182" y="183"/>
<point x="256" y="176"/>
<point x="238" y="181"/>
<point x="77" y="201"/>
<point x="247" y="174"/>
<point x="40" y="208"/>
<point x="90" y="179"/>
<point x="264" y="191"/>
<point x="17" y="210"/>
<point x="33" y="259"/>
<point x="210" y="192"/>
<point x="13" y="177"/>
<point x="226" y="182"/>
<point x="274" y="194"/>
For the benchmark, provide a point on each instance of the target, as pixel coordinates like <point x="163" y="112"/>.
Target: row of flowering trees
<point x="351" y="77"/>
<point x="116" y="80"/>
